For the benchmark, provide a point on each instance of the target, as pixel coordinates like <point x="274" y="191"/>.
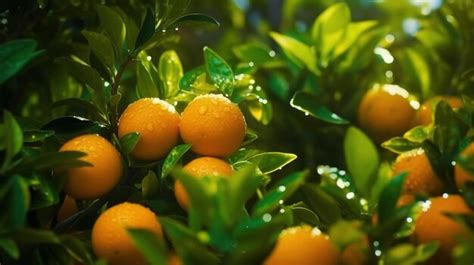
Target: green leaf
<point x="36" y="236"/>
<point x="76" y="248"/>
<point x="67" y="127"/>
<point x="254" y="52"/>
<point x="420" y="64"/>
<point x="113" y="24"/>
<point x="269" y="162"/>
<point x="85" y="74"/>
<point x="194" y="17"/>
<point x="129" y="141"/>
<point x="76" y="103"/>
<point x="362" y="159"/>
<point x="188" y="79"/>
<point x="58" y="161"/>
<point x="187" y="244"/>
<point x="329" y="28"/>
<point x="352" y="34"/>
<point x="389" y="197"/>
<point x="173" y="158"/>
<point x="296" y="49"/>
<point x="344" y="233"/>
<point x="10" y="247"/>
<point x="13" y="137"/>
<point x="147" y="29"/>
<point x="170" y="71"/>
<point x="150" y="185"/>
<point x="449" y="130"/>
<point x="406" y="254"/>
<point x="145" y="85"/>
<point x="304" y="215"/>
<point x="219" y="72"/>
<point x="102" y="47"/>
<point x="45" y="191"/>
<point x="417" y="134"/>
<point x="149" y="244"/>
<point x="280" y="192"/>
<point x="400" y="145"/>
<point x="321" y="203"/>
<point x="250" y="137"/>
<point x="17" y="203"/>
<point x="15" y="55"/>
<point x="308" y="104"/>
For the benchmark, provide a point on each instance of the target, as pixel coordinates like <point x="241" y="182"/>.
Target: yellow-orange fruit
<point x="200" y="167"/>
<point x="462" y="176"/>
<point x="421" y="178"/>
<point x="213" y="125"/>
<point x="405" y="199"/>
<point x="424" y="115"/>
<point x="303" y="245"/>
<point x="92" y="182"/>
<point x="110" y="239"/>
<point x="356" y="253"/>
<point x="385" y="112"/>
<point x="433" y="225"/>
<point x="68" y="208"/>
<point x="158" y="124"/>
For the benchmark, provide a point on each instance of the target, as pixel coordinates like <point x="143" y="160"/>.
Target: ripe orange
<point x="433" y="225"/>
<point x="405" y="199"/>
<point x="421" y="178"/>
<point x="303" y="245"/>
<point x="213" y="125"/>
<point x="461" y="176"/>
<point x="356" y="253"/>
<point x="385" y="111"/>
<point x="424" y="115"/>
<point x="158" y="124"/>
<point x="92" y="182"/>
<point x="200" y="167"/>
<point x="68" y="208"/>
<point x="110" y="239"/>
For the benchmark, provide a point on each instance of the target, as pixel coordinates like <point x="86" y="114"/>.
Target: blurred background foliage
<point x="301" y="68"/>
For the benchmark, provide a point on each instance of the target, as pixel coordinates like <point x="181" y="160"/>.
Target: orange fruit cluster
<point x="424" y="115"/>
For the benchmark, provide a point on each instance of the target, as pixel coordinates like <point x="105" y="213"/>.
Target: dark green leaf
<point x="58" y="161"/>
<point x="280" y="192"/>
<point x="149" y="244"/>
<point x="173" y="157"/>
<point x="187" y="81"/>
<point x="219" y="72"/>
<point x="14" y="55"/>
<point x="76" y="103"/>
<point x="36" y="236"/>
<point x="304" y="215"/>
<point x="449" y="129"/>
<point x="36" y="136"/>
<point x="269" y="162"/>
<point x="309" y="105"/>
<point x="45" y="191"/>
<point x="84" y="73"/>
<point x="68" y="127"/>
<point x="362" y="159"/>
<point x="150" y="185"/>
<point x="113" y="24"/>
<point x="170" y="71"/>
<point x="195" y="17"/>
<point x="145" y="85"/>
<point x="242" y="186"/>
<point x="102" y="47"/>
<point x="256" y="53"/>
<point x="129" y="141"/>
<point x="250" y="137"/>
<point x="147" y="29"/>
<point x="389" y="197"/>
<point x="321" y="203"/>
<point x="17" y="204"/>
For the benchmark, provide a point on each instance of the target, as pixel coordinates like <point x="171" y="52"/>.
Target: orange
<point x="303" y="245"/>
<point x="158" y="124"/>
<point x="433" y="225"/>
<point x="386" y="111"/>
<point x="110" y="239"/>
<point x="421" y="178"/>
<point x="200" y="167"/>
<point x="94" y="181"/>
<point x="173" y="259"/>
<point x="213" y="125"/>
<point x="68" y="208"/>
<point x="405" y="199"/>
<point x="424" y="115"/>
<point x="461" y="176"/>
<point x="356" y="253"/>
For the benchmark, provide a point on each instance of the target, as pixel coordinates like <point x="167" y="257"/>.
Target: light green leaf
<point x="10" y="247"/>
<point x="170" y="71"/>
<point x="308" y="104"/>
<point x="149" y="244"/>
<point x="422" y="70"/>
<point x="399" y="145"/>
<point x="113" y="24"/>
<point x="352" y="33"/>
<point x="269" y="162"/>
<point x="173" y="158"/>
<point x="298" y="50"/>
<point x="13" y="137"/>
<point x="329" y="28"/>
<point x="102" y="47"/>
<point x="362" y="159"/>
